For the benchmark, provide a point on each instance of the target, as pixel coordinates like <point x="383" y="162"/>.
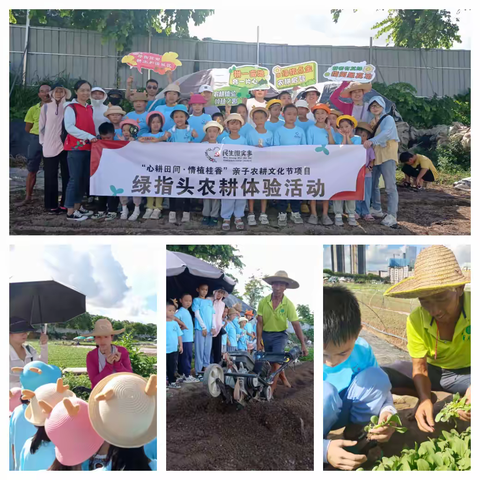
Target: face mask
<point x="115" y="100"/>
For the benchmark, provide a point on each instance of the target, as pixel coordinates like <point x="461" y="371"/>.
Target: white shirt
<point x="251" y="102"/>
<point x="16" y="361"/>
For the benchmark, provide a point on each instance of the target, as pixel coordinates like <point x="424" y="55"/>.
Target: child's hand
<point x="228" y="109"/>
<point x="180" y="349"/>
<point x="167" y="135"/>
<point x="382" y="434"/>
<point x="194" y="134"/>
<point x="93" y="140"/>
<point x="213" y="331"/>
<point x="367" y="144"/>
<point x="145" y="139"/>
<point x="338" y="457"/>
<point x="130" y="80"/>
<point x="204" y="332"/>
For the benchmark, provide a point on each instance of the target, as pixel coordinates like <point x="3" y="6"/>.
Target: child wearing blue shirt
<point x="218" y="117"/>
<point x="174" y="345"/>
<point x="139" y="115"/>
<point x="185" y="359"/>
<point x="115" y="115"/>
<point x="274" y="108"/>
<point x="302" y="120"/>
<point x="259" y="137"/>
<point x="242" y="337"/>
<point x="231" y="207"/>
<point x="289" y="134"/>
<point x="38" y="452"/>
<point x="246" y="127"/>
<point x="167" y="105"/>
<point x="231" y="336"/>
<point x="355" y="388"/>
<point x="199" y="118"/>
<point x="20" y="430"/>
<point x="202" y="307"/>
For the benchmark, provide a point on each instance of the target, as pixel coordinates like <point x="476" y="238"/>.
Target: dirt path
<point x="441" y="210"/>
<point x="203" y="433"/>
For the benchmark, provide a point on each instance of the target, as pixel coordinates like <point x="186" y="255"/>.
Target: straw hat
<point x="338" y="113"/>
<point x="321" y="106"/>
<point x="274" y="101"/>
<point x="242" y="319"/>
<point x="365" y="126"/>
<point x="35" y="374"/>
<point x="235" y="116"/>
<point x="69" y="428"/>
<point x="282" y="276"/>
<point x="235" y="309"/>
<point x="347" y="117"/>
<point x="139" y="97"/>
<point x="123" y="409"/>
<point x="312" y="89"/>
<point x="112" y="109"/>
<point x="436" y="270"/>
<point x="366" y="87"/>
<point x="43" y="399"/>
<point x="104" y="327"/>
<point x="212" y="123"/>
<point x="259" y="109"/>
<point x="173" y="87"/>
<point x="14" y="396"/>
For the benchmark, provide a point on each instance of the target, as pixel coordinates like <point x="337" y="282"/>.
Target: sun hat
<point x="378" y="99"/>
<point x="69" y="428"/>
<point x="311" y="89"/>
<point x="261" y="109"/>
<point x="242" y="319"/>
<point x="205" y="88"/>
<point x="139" y="97"/>
<point x="98" y="89"/>
<point x="154" y="112"/>
<point x="212" y="123"/>
<point x="235" y="116"/>
<point x="173" y="87"/>
<point x="249" y="312"/>
<point x="321" y="106"/>
<point x="235" y="309"/>
<point x="112" y="109"/>
<point x="197" y="98"/>
<point x="436" y="270"/>
<point x="123" y="409"/>
<point x="302" y="104"/>
<point x="365" y="126"/>
<point x="103" y="327"/>
<point x="273" y="102"/>
<point x="366" y="87"/>
<point x="180" y="108"/>
<point x="281" y="276"/>
<point x="129" y="121"/>
<point x="15" y="400"/>
<point x="334" y="111"/>
<point x="19" y="325"/>
<point x="347" y="117"/>
<point x="43" y="399"/>
<point x="35" y="374"/>
<point x="68" y="93"/>
<point x="225" y="294"/>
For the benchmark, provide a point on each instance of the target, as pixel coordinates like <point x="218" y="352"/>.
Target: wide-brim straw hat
<point x="259" y="109"/>
<point x="436" y="270"/>
<point x="68" y="92"/>
<point x="365" y="126"/>
<point x="139" y="96"/>
<point x="282" y="276"/>
<point x="103" y="327"/>
<point x="235" y="116"/>
<point x="212" y="123"/>
<point x="123" y="409"/>
<point x="366" y="87"/>
<point x="112" y="109"/>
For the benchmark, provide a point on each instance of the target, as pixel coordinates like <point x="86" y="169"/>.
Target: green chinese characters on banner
<point x="298" y="75"/>
<point x="248" y="76"/>
<point x="229" y="96"/>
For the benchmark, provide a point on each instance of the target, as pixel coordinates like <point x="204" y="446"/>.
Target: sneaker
<point x="147" y="214"/>
<point x="368" y="218"/>
<point x="124" y="215"/>
<point x="54" y="211"/>
<point x="377" y="213"/>
<point x="191" y="379"/>
<point x="199" y="377"/>
<point x="174" y="385"/>
<point x="326" y="220"/>
<point x="134" y="216"/>
<point x="304" y="208"/>
<point x="296" y="217"/>
<point x="282" y="219"/>
<point x="181" y="378"/>
<point x="172" y="217"/>
<point x="357" y="216"/>
<point x="338" y="221"/>
<point x="99" y="215"/>
<point x="185" y="217"/>
<point x="111" y="216"/>
<point x="352" y="221"/>
<point x="239" y="224"/>
<point x="90" y="199"/>
<point x="77" y="216"/>
<point x="226" y="224"/>
<point x="63" y="209"/>
<point x="263" y="219"/>
<point x="213" y="221"/>
<point x="84" y="211"/>
<point x="206" y="221"/>
<point x="157" y="213"/>
<point x="389" y="221"/>
<point x="313" y="219"/>
<point x="251" y="220"/>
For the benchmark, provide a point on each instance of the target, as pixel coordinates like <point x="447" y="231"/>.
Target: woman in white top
<point x="21" y="354"/>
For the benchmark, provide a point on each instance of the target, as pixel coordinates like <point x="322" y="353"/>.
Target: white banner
<point x="306" y="172"/>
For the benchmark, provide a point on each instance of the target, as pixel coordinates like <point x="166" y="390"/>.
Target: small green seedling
<point x="394" y="422"/>
<point x="450" y="410"/>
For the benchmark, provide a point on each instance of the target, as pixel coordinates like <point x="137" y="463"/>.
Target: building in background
<point x="398" y="269"/>
<point x="338" y="258"/>
<point x="383" y="273"/>
<point x="358" y="259"/>
<point x="410" y="255"/>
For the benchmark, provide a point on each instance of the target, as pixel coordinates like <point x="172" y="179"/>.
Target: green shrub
<point x="76" y="382"/>
<point x="452" y="157"/>
<point x="141" y="364"/>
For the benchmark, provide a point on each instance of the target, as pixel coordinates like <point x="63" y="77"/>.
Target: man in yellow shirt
<point x="417" y="169"/>
<point x="438" y="333"/>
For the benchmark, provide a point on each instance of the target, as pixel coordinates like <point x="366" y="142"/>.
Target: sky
<point x="116" y="283"/>
<point x="313" y="27"/>
<point x="378" y="255"/>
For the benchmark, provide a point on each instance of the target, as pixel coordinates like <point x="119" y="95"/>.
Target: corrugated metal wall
<point x="80" y="53"/>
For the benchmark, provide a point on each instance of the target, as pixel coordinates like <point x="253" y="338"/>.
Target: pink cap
<point x="129" y="121"/>
<point x="70" y="430"/>
<point x="197" y="98"/>
<point x="15" y="394"/>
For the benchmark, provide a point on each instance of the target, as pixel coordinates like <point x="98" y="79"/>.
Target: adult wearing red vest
<point x="81" y="134"/>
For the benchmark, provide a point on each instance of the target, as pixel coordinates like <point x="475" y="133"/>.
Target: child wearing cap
<point x="364" y="130"/>
<point x="172" y="95"/>
<point x="206" y="91"/>
<point x="258" y="100"/>
<point x="246" y="126"/>
<point x="242" y="337"/>
<point x="274" y="108"/>
<point x="231" y="207"/>
<point x="199" y="118"/>
<point x="139" y="114"/>
<point x="174" y="345"/>
<point x="115" y="114"/>
<point x="303" y="110"/>
<point x="218" y="117"/>
<point x="289" y="134"/>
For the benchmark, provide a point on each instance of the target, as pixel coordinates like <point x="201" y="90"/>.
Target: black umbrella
<point x="45" y="302"/>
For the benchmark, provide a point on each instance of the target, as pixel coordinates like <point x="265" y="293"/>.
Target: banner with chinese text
<point x="298" y="75"/>
<point x="306" y="172"/>
<point x="351" y="72"/>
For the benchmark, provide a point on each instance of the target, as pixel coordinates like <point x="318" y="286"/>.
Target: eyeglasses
<point x="151" y="87"/>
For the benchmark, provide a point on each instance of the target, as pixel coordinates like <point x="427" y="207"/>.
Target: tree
<point x="117" y="25"/>
<point x="222" y="256"/>
<point x="254" y="291"/>
<point x="304" y="313"/>
<point x="416" y="28"/>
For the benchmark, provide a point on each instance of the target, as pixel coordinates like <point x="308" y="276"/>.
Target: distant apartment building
<point x="358" y="259"/>
<point x="410" y="255"/>
<point x="398" y="269"/>
<point x="338" y="258"/>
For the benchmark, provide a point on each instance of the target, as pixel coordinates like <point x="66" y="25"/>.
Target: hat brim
<point x="407" y="288"/>
<point x="68" y="93"/>
<point x="366" y="87"/>
<point x="101" y="334"/>
<point x="102" y="429"/>
<point x="106" y="114"/>
<point x="292" y="284"/>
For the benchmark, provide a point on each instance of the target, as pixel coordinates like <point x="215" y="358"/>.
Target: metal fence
<point x="81" y="53"/>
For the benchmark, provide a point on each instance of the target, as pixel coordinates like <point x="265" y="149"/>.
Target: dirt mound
<point x="203" y="433"/>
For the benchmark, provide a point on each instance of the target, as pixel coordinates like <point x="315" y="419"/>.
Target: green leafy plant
<point x="394" y="422"/>
<point x="453" y="158"/>
<point x="450" y="410"/>
<point x="141" y="364"/>
<point x="79" y="384"/>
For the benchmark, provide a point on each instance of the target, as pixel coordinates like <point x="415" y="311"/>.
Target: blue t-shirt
<point x="205" y="307"/>
<point x="342" y="375"/>
<point x="173" y="332"/>
<point x="42" y="459"/>
<point x="289" y="136"/>
<point x="184" y="315"/>
<point x="272" y="127"/>
<point x="236" y="324"/>
<point x="317" y="136"/>
<point x="246" y="129"/>
<point x="118" y="134"/>
<point x="221" y="137"/>
<point x="305" y="125"/>
<point x="249" y="329"/>
<point x="152" y="465"/>
<point x="181" y="135"/>
<point x="231" y="334"/>
<point x="150" y="134"/>
<point x="167" y="111"/>
<point x="224" y="336"/>
<point x="141" y="119"/>
<point x="158" y="102"/>
<point x="230" y="141"/>
<point x="197" y="123"/>
<point x="253" y="136"/>
<point x="20" y="430"/>
<point x="356" y="139"/>
<point x="242" y="341"/>
<point x="150" y="449"/>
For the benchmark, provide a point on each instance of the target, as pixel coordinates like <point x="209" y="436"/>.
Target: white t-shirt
<point x="31" y="355"/>
<point x="251" y="102"/>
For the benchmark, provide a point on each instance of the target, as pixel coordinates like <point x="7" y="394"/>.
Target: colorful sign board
<point x="297" y="75"/>
<point x="248" y="76"/>
<point x="351" y="72"/>
<point x="152" y="61"/>
<point x="228" y="96"/>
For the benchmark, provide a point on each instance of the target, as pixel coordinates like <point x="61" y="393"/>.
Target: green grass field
<point x="63" y="356"/>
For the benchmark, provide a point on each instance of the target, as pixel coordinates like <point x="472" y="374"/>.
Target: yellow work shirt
<point x="276" y="320"/>
<point x="33" y="116"/>
<point x="422" y="337"/>
<point x="424" y="162"/>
